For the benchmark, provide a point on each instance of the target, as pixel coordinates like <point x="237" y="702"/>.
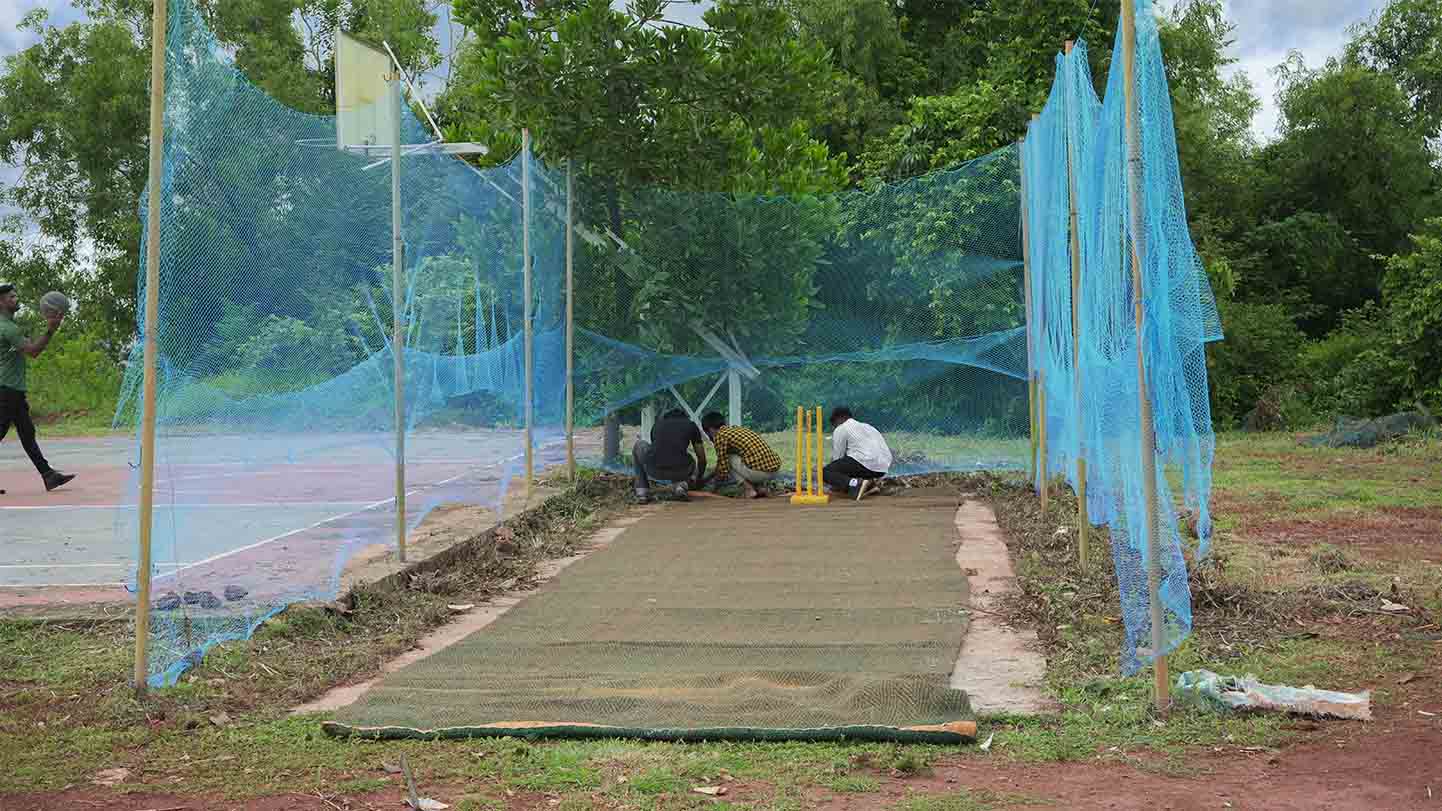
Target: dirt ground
<point x="1389" y="764"/>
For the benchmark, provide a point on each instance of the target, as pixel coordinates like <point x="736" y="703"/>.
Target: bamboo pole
<point x="1040" y="374"/>
<point x="1027" y="306"/>
<point x="1149" y="460"/>
<point x="570" y="321"/>
<point x="1041" y="450"/>
<point x="398" y="310"/>
<point x="526" y="291"/>
<point x="1083" y="519"/>
<point x="152" y="304"/>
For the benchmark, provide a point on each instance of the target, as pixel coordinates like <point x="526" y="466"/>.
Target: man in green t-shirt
<point x="14" y="408"/>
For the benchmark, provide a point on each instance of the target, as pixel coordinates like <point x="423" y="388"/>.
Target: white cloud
<point x="1267" y="30"/>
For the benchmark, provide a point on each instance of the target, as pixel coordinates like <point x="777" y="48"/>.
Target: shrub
<point x="75" y="377"/>
<point x="1260" y="354"/>
<point x="1352" y="371"/>
<point x="1412" y="290"/>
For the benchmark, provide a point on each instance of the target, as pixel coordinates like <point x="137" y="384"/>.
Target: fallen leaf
<point x="461" y="607"/>
<point x="390" y="768"/>
<point x="1393" y="608"/>
<point x="710" y="791"/>
<point x="987" y="745"/>
<point x="1428" y="714"/>
<point x="220" y="719"/>
<point x="110" y="777"/>
<point x="427" y="804"/>
<point x="1406" y="677"/>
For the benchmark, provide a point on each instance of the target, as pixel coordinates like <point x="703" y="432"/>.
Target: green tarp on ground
<point x="715" y="619"/>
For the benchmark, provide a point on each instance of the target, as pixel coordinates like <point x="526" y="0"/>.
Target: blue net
<point x="1130" y="228"/>
<point x="277" y="452"/>
<point x="276" y="406"/>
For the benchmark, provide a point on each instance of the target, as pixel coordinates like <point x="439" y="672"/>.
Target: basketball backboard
<point x="362" y="94"/>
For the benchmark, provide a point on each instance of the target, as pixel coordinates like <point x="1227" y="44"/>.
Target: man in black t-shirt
<point x="665" y="457"/>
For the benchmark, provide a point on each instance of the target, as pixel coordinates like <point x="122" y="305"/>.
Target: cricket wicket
<point x="808" y="458"/>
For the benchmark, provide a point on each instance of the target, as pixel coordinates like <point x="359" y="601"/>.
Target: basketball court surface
<point x="273" y="528"/>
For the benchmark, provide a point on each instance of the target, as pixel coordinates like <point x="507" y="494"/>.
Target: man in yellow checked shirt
<point x="741" y="454"/>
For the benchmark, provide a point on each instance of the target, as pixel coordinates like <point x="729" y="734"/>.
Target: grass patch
<point x="962" y="800"/>
<point x="853" y="784"/>
<point x="1255" y="607"/>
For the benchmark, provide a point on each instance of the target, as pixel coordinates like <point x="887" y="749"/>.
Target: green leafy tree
<point x="1348" y="149"/>
<point x="74" y="115"/>
<point x="288" y="46"/>
<point x="1412" y="291"/>
<point x="632" y="100"/>
<point x="1404" y="41"/>
<point x="638" y="104"/>
<point x="1313" y="265"/>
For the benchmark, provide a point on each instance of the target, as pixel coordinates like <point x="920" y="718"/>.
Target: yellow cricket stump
<point x="804" y="467"/>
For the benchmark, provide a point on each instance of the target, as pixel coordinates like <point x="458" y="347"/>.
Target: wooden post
<point x="526" y="291"/>
<point x="1083" y="519"/>
<point x="1027" y="306"/>
<point x="570" y="321"/>
<point x="398" y="310"/>
<point x="1161" y="684"/>
<point x="1043" y="474"/>
<point x="152" y="303"/>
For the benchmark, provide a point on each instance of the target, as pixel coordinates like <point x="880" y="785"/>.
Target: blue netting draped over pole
<point x="1125" y="231"/>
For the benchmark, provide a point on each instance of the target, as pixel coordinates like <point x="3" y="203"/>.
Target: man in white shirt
<point x="859" y="456"/>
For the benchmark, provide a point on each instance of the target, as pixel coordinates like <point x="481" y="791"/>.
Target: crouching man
<point x="665" y="457"/>
<point x="741" y="454"/>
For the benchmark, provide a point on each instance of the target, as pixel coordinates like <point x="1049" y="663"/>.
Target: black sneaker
<point x="57" y="479"/>
<point x="682" y="491"/>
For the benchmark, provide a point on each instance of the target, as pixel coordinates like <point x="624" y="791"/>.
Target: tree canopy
<point x="1320" y="243"/>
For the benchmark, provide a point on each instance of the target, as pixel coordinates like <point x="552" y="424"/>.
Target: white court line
<point x="179" y="567"/>
<point x="338" y="468"/>
<point x="75" y="565"/>
<point x="110" y="585"/>
<point x="164" y="506"/>
<point x="283" y="536"/>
